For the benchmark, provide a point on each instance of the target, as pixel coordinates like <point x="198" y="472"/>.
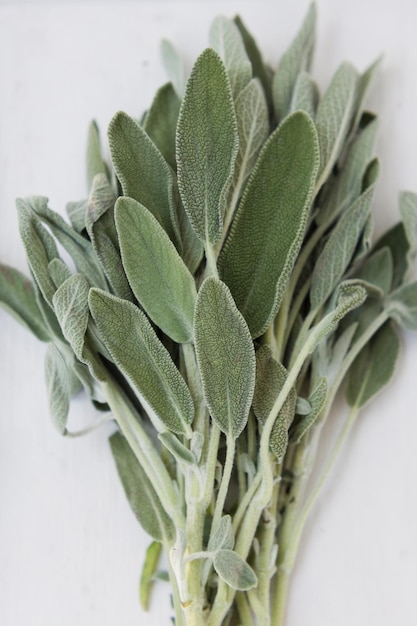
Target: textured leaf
<point x="395" y="239"/>
<point x="296" y="59"/>
<point x="143" y="172"/>
<point x="334" y="117"/>
<point x="261" y="248"/>
<point x="378" y="269"/>
<point x="161" y="122"/>
<point x="135" y="348"/>
<point x="234" y="570"/>
<point x="174" y="67"/>
<point x="226" y="40"/>
<point x="17" y="296"/>
<point x="157" y="275"/>
<point x="373" y="367"/>
<point x="305" y="96"/>
<point x="339" y="249"/>
<point x="95" y="162"/>
<point x="223" y="536"/>
<point x="270" y="378"/>
<point x="76" y="212"/>
<point x="317" y="401"/>
<point x="149" y="570"/>
<point x="70" y="303"/>
<point x="225" y="356"/>
<point x="139" y="491"/>
<point x="364" y="84"/>
<point x="58" y="272"/>
<point x="207" y="145"/>
<point x="61" y="383"/>
<point x="177" y="449"/>
<point x="402" y="306"/>
<point x="408" y="210"/>
<point x="258" y="67"/>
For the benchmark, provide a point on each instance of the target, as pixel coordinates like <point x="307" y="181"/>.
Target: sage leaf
<point x="373" y="367"/>
<point x="139" y="491"/>
<point x="207" y="145"/>
<point x="161" y="122"/>
<point x="259" y="68"/>
<point x="149" y="569"/>
<point x="177" y="449"/>
<point x="402" y="306"/>
<point x="70" y="303"/>
<point x="225" y="356"/>
<point x="76" y="212"/>
<point x="395" y="239"/>
<point x="130" y="339"/>
<point x="296" y="59"/>
<point x="364" y="84"/>
<point x="223" y="537"/>
<point x="305" y="96"/>
<point x="408" y="210"/>
<point x="143" y="172"/>
<point x="339" y="249"/>
<point x="61" y="383"/>
<point x="17" y="296"/>
<point x="270" y="378"/>
<point x="174" y="67"/>
<point x="260" y="250"/>
<point x="40" y="247"/>
<point x="95" y="162"/>
<point x="334" y="117"/>
<point x="378" y="270"/>
<point x="157" y="275"/>
<point x="317" y="401"/>
<point x="234" y="570"/>
<point x="58" y="272"/>
<point x="226" y="40"/>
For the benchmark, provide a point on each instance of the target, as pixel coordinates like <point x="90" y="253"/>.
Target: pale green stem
<point x="244" y="610"/>
<point x="211" y="260"/>
<point x="225" y="481"/>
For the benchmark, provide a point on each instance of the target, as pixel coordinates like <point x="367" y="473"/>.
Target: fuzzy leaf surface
<point x="261" y="248"/>
<point x="207" y="145"/>
<point x="317" y="401"/>
<point x="95" y="162"/>
<point x="234" y="570"/>
<point x="402" y="306"/>
<point x="70" y="303"/>
<point x="225" y="356"/>
<point x="161" y="122"/>
<point x="226" y="40"/>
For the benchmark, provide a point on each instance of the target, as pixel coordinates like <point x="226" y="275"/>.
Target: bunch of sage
<point x="224" y="287"/>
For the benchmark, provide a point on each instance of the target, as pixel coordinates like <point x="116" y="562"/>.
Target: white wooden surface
<point x="70" y="549"/>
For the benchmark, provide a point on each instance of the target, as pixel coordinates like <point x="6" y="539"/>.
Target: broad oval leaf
<point x="373" y="367"/>
<point x="261" y="248"/>
<point x="139" y="491"/>
<point x="157" y="275"/>
<point x="130" y="339"/>
<point x="226" y="40"/>
<point x="207" y="145"/>
<point x="225" y="356"/>
<point x="70" y="303"/>
<point x="234" y="570"/>
<point x="143" y="172"/>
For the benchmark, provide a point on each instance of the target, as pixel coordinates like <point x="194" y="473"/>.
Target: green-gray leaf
<point x="58" y="272"/>
<point x="408" y="210"/>
<point x="142" y="170"/>
<point x="177" y="449"/>
<point x="17" y="296"/>
<point x="296" y="59"/>
<point x="378" y="269"/>
<point x="234" y="570"/>
<point x="317" y="401"/>
<point x="149" y="570"/>
<point x="270" y="378"/>
<point x="395" y="239"/>
<point x="402" y="306"/>
<point x="339" y="249"/>
<point x="70" y="303"/>
<point x="207" y="145"/>
<point x="157" y="275"/>
<point x="262" y="245"/>
<point x="373" y="367"/>
<point x="161" y="122"/>
<point x="223" y="536"/>
<point x="139" y="491"/>
<point x="174" y="67"/>
<point x="76" y="212"/>
<point x="334" y="117"/>
<point x="130" y="339"/>
<point x="61" y="383"/>
<point x="305" y="96"/>
<point x="95" y="162"/>
<point x="226" y="40"/>
<point x="225" y="356"/>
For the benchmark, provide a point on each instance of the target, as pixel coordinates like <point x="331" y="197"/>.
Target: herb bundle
<point x="226" y="285"/>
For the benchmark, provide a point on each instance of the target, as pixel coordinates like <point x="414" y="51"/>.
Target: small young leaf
<point x="305" y="96"/>
<point x="270" y="378"/>
<point x="317" y="401"/>
<point x="402" y="306"/>
<point x="261" y="248"/>
<point x="225" y="356"/>
<point x="139" y="491"/>
<point x="296" y="59"/>
<point x="149" y="570"/>
<point x="61" y="383"/>
<point x="174" y="67"/>
<point x="207" y="145"/>
<point x="135" y="348"/>
<point x="157" y="275"/>
<point x="177" y="449"/>
<point x="143" y="172"/>
<point x="373" y="367"/>
<point x="334" y="117"/>
<point x="234" y="570"/>
<point x="95" y="163"/>
<point x="339" y="249"/>
<point x="226" y="40"/>
<point x="223" y="537"/>
<point x="17" y="296"/>
<point x="70" y="303"/>
<point x="161" y="122"/>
